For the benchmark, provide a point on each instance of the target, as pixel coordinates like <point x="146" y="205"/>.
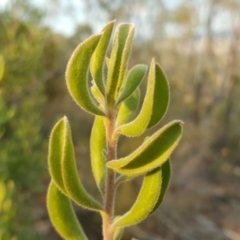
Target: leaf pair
<point x="154" y="105"/>
<point x="127" y="108"/>
<point x="121" y="50"/>
<point x="98" y="57"/>
<point x="65" y="184"/>
<point x="149" y="198"/>
<point x="92" y="53"/>
<point x="151" y="159"/>
<point x="63" y="169"/>
<point x="152" y="153"/>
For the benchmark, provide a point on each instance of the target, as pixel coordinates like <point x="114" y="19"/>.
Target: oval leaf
<point x="98" y="57"/>
<point x="97" y="94"/>
<point x="62" y="166"/>
<point x="145" y="202"/>
<point x="161" y="97"/>
<point x="118" y="232"/>
<point x="77" y="75"/>
<point x="127" y="108"/>
<point x="166" y="175"/>
<point x="121" y="179"/>
<point x="135" y="76"/>
<point x="72" y="184"/>
<point x="97" y="148"/>
<point x="62" y="215"/>
<point x="154" y="151"/>
<point x="140" y="123"/>
<point x="118" y="61"/>
<point x="55" y="154"/>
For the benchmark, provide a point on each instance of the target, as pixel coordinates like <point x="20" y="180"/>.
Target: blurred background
<point x="197" y="42"/>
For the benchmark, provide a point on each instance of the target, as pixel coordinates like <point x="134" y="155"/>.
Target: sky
<point x="65" y="17"/>
<point x="3" y="3"/>
<point x="65" y="23"/>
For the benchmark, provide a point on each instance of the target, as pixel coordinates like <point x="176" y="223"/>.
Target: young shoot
<point x="112" y="99"/>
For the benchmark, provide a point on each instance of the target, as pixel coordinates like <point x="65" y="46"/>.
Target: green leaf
<point x="166" y="175"/>
<point x="97" y="148"/>
<point x="107" y="62"/>
<point x="63" y="169"/>
<point x="122" y="178"/>
<point x="134" y="77"/>
<point x="161" y="97"/>
<point x="97" y="95"/>
<point x="55" y="155"/>
<point x="145" y="201"/>
<point x="140" y="123"/>
<point x="2" y="63"/>
<point x="127" y="108"/>
<point x="62" y="215"/>
<point x="118" y="232"/>
<point x="118" y="61"/>
<point x="77" y="75"/>
<point x="98" y="57"/>
<point x="153" y="152"/>
<point x="71" y="181"/>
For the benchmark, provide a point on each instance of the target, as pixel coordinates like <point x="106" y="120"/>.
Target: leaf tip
<point x="65" y="119"/>
<point x="113" y="21"/>
<point x="180" y="122"/>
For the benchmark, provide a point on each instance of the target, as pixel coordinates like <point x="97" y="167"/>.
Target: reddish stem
<point x="109" y="190"/>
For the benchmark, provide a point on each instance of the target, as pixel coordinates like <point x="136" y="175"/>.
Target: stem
<point x="110" y="177"/>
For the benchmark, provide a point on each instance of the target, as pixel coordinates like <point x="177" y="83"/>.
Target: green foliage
<point x="5" y="114"/>
<point x="7" y="213"/>
<point x="98" y="57"/>
<point x="118" y="233"/>
<point x="62" y="166"/>
<point x="62" y="215"/>
<point x="22" y="147"/>
<point x="150" y="113"/>
<point x="98" y="158"/>
<point x="114" y="107"/>
<point x="21" y="93"/>
<point x="145" y="201"/>
<point x="166" y="175"/>
<point x="161" y="98"/>
<point x="127" y="108"/>
<point x="133" y="79"/>
<point x="118" y="61"/>
<point x="1" y="67"/>
<point x="154" y="151"/>
<point x="77" y="75"/>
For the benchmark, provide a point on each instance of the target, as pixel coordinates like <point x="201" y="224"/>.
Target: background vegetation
<point x="200" y="53"/>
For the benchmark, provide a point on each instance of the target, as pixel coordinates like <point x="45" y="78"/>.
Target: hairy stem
<point x="109" y="189"/>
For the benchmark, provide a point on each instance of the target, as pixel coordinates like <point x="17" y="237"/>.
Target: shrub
<point x="113" y="103"/>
